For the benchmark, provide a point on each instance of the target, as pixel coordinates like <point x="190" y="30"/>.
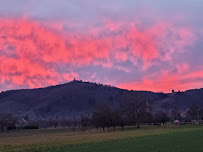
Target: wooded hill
<point x="77" y="97"/>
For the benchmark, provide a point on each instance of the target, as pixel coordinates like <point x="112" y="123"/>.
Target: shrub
<point x="11" y="128"/>
<point x="31" y="127"/>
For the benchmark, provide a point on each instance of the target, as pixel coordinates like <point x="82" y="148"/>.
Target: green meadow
<point x="168" y="138"/>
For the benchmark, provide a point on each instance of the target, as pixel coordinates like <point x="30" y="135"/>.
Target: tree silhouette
<point x="193" y="111"/>
<point x="135" y="106"/>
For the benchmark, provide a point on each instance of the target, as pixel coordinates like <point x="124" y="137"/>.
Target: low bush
<point x="31" y="127"/>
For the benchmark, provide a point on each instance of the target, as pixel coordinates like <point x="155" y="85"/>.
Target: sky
<point x="132" y="44"/>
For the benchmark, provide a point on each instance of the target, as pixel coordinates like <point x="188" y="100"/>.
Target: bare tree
<point x="65" y="122"/>
<point x="161" y="117"/>
<point x="135" y="106"/>
<point x="96" y="120"/>
<point x="193" y="111"/>
<point x="7" y="120"/>
<point x="102" y="116"/>
<point x="115" y="118"/>
<point x="3" y="121"/>
<point x="201" y="114"/>
<point x="55" y="123"/>
<point x="86" y="121"/>
<point x="175" y="113"/>
<point x="123" y="121"/>
<point x="73" y="123"/>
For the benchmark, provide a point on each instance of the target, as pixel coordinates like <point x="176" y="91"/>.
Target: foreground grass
<point x="153" y="139"/>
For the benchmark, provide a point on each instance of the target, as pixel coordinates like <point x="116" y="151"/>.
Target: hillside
<point x="77" y="97"/>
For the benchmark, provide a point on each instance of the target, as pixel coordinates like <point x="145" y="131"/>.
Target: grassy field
<point x="153" y="139"/>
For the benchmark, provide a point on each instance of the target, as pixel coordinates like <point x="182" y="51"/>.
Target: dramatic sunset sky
<point x="154" y="45"/>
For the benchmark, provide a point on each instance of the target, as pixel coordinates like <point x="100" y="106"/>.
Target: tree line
<point x="134" y="110"/>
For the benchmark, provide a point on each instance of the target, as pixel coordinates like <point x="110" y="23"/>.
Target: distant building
<point x="74" y="80"/>
<point x="173" y="91"/>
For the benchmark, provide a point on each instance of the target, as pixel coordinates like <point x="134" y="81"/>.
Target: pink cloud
<point x="165" y="81"/>
<point x="30" y="48"/>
